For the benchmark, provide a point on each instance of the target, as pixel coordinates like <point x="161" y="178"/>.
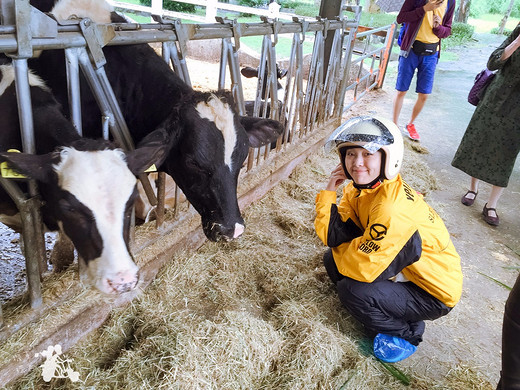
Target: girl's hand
<point x="337" y="177"/>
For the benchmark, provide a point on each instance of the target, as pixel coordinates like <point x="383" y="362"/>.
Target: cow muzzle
<point x="122" y="282"/>
<point x="218" y="232"/>
<point x="111" y="282"/>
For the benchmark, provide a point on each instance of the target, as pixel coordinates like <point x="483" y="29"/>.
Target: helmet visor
<point x="364" y="131"/>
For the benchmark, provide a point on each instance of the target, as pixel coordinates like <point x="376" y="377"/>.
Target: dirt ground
<point x="471" y="334"/>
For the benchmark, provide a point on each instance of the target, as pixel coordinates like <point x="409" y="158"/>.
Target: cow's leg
<point x="62" y="254"/>
<point x="83" y="271"/>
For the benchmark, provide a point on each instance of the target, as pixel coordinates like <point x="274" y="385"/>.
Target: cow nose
<point x="124" y="281"/>
<point x="239" y="229"/>
<point x="219" y="232"/>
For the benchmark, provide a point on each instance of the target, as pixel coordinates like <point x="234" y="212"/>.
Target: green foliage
<point x="293" y="4"/>
<point x="252" y="3"/>
<point x="306" y="10"/>
<point x="462" y="30"/>
<point x="481" y="7"/>
<point x="376" y="20"/>
<point x="460" y="34"/>
<point x="506" y="32"/>
<point x="172" y="6"/>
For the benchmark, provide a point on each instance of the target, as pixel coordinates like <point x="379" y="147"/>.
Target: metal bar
<point x="35" y="249"/>
<point x="236" y="81"/>
<point x="70" y="36"/>
<point x="73" y="87"/>
<point x="223" y="63"/>
<point x="389" y="43"/>
<point x="159" y="211"/>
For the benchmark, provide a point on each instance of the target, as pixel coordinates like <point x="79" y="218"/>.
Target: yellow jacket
<point x="386" y="232"/>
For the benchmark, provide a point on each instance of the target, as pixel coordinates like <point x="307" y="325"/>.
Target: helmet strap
<point x="370" y="186"/>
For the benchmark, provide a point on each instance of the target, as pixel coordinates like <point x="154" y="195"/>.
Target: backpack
<point x="401" y="34"/>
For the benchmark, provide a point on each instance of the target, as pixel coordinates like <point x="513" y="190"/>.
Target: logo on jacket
<point x="377" y="231"/>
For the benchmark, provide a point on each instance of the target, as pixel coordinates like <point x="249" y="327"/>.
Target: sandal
<point x="493" y="221"/>
<point x="468" y="201"/>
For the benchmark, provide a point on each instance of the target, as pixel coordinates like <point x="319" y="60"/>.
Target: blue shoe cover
<point x="391" y="349"/>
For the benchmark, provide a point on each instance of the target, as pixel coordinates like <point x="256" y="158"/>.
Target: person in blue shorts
<point x="425" y="23"/>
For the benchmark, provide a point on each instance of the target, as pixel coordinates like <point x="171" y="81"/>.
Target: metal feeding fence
<point x="316" y="94"/>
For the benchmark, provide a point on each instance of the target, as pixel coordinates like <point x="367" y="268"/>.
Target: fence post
<point x="157" y="7"/>
<point x="389" y="43"/>
<point x="329" y="9"/>
<point x="211" y="10"/>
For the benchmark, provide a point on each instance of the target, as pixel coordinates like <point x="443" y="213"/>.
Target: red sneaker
<point x="412" y="133"/>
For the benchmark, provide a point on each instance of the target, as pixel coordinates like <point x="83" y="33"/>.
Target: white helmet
<point x="372" y="134"/>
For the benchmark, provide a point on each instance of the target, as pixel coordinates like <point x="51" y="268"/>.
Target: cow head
<point x="251" y="72"/>
<point x="205" y="162"/>
<point x="88" y="190"/>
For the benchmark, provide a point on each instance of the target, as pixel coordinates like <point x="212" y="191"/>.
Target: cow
<point x="87" y="186"/>
<point x="210" y="141"/>
<point x="250" y="72"/>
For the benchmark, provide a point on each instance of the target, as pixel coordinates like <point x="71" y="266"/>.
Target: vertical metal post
<point x="73" y="87"/>
<point x="159" y="211"/>
<point x="389" y="43"/>
<point x="329" y="9"/>
<point x="348" y="43"/>
<point x="31" y="217"/>
<point x="223" y="64"/>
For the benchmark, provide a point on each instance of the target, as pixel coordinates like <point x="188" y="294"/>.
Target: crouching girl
<point x="390" y="256"/>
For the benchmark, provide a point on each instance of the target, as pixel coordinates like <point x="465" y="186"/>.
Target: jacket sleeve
<point x="332" y="227"/>
<point x="409" y="12"/>
<point x="444" y="29"/>
<point x="494" y="61"/>
<point x="389" y="244"/>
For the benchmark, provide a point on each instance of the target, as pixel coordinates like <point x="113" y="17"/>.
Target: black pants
<point x="510" y="375"/>
<point x="397" y="309"/>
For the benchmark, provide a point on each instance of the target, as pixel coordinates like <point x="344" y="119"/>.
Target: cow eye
<point x="195" y="165"/>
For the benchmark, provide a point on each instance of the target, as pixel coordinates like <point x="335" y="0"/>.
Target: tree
<point x="463" y="11"/>
<point x="372" y="7"/>
<point x="506" y="16"/>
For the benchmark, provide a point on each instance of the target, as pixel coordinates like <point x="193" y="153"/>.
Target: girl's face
<point x="363" y="166"/>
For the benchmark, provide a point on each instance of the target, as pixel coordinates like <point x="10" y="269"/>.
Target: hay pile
<point x="257" y="313"/>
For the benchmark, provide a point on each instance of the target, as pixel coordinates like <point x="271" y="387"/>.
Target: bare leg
<point x="419" y="104"/>
<point x="493" y="199"/>
<point x="473" y="187"/>
<point x="398" y="104"/>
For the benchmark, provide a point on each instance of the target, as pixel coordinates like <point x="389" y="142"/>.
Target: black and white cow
<point x="209" y="140"/>
<point x="88" y="187"/>
<point x="250" y="72"/>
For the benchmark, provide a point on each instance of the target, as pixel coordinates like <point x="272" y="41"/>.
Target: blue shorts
<point x="425" y="66"/>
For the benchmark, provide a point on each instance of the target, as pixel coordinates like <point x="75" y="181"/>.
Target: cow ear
<point x="281" y="73"/>
<point x="261" y="131"/>
<point x="249" y="72"/>
<point x="153" y="149"/>
<point x="34" y="166"/>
